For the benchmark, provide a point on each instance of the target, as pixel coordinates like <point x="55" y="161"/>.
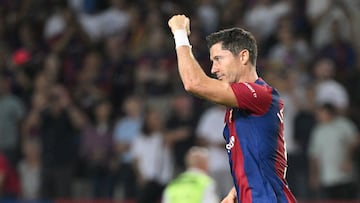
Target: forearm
<point x="231" y="197"/>
<point x="190" y="71"/>
<point x="232" y="193"/>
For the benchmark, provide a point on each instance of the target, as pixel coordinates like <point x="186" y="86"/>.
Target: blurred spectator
<point x="180" y="128"/>
<point x="127" y="128"/>
<point x="29" y="52"/>
<point x="261" y="18"/>
<point x="209" y="134"/>
<point x="11" y="114"/>
<point x="208" y="15"/>
<point x="63" y="33"/>
<point x="137" y="35"/>
<point x="340" y="50"/>
<point x="118" y="72"/>
<point x="153" y="160"/>
<point x="154" y="66"/>
<point x="290" y="51"/>
<point x="87" y="6"/>
<point x="113" y="20"/>
<point x="31" y="127"/>
<point x="52" y="68"/>
<point x="88" y="89"/>
<point x="96" y="149"/>
<point x="292" y="95"/>
<point x="304" y="123"/>
<point x="327" y="89"/>
<point x="351" y="8"/>
<point x="59" y="126"/>
<point x="193" y="185"/>
<point x="331" y="149"/>
<point x="29" y="169"/>
<point x="65" y="37"/>
<point x="322" y="14"/>
<point x="232" y="13"/>
<point x="9" y="180"/>
<point x="353" y="86"/>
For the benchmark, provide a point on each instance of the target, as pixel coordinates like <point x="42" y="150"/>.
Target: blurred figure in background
<point x="194" y="185"/>
<point x="209" y="135"/>
<point x="9" y="180"/>
<point x="118" y="72"/>
<point x="97" y="150"/>
<point x="208" y="15"/>
<point x="304" y="123"/>
<point x="127" y="128"/>
<point x="341" y="51"/>
<point x="59" y="126"/>
<point x="180" y="127"/>
<point x="88" y="89"/>
<point x="152" y="158"/>
<point x="290" y="51"/>
<point x="29" y="169"/>
<point x="331" y="151"/>
<point x="12" y="111"/>
<point x="327" y="89"/>
<point x="261" y="18"/>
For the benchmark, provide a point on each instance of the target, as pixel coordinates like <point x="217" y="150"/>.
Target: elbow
<point x="191" y="87"/>
<point x="187" y="87"/>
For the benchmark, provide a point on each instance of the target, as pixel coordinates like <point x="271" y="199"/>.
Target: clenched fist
<point x="179" y="22"/>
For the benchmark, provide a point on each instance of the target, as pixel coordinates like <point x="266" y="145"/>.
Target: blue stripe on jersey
<point x="258" y="137"/>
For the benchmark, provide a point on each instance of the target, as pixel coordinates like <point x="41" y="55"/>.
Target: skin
<point x="227" y="67"/>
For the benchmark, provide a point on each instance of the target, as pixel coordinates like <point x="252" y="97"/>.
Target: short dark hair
<point x="329" y="108"/>
<point x="235" y="40"/>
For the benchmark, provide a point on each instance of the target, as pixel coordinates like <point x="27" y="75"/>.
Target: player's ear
<point x="244" y="56"/>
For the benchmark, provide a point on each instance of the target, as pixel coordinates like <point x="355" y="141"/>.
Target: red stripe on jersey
<point x="289" y="196"/>
<point x="281" y="160"/>
<point x="280" y="157"/>
<point x="238" y="169"/>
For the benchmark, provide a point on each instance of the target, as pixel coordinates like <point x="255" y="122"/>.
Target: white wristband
<point x="181" y="38"/>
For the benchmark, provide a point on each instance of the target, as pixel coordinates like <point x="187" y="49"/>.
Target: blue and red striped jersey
<point x="256" y="145"/>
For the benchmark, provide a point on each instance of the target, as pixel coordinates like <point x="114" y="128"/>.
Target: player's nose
<point x="214" y="69"/>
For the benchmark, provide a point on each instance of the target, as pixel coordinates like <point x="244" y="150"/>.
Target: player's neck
<point x="250" y="75"/>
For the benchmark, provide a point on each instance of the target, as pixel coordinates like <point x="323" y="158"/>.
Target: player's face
<point x="224" y="64"/>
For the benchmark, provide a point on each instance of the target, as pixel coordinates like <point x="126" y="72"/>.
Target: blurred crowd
<point x="92" y="106"/>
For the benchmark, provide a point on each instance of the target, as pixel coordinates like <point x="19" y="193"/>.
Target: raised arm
<point x="192" y="75"/>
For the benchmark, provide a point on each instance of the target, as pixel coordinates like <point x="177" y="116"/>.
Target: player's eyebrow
<point x="217" y="57"/>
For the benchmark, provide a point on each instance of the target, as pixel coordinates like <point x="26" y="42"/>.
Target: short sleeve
<point x="253" y="97"/>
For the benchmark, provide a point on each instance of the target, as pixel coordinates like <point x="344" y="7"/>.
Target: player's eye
<point x="217" y="58"/>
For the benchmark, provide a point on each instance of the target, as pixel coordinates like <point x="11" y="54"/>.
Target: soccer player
<point x="254" y="118"/>
<point x="194" y="185"/>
